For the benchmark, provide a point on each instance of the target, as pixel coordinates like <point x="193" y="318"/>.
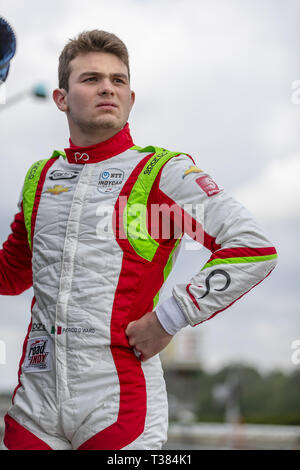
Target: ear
<point x="132" y="99"/>
<point x="60" y="98"/>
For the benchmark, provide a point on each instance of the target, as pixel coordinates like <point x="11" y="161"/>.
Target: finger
<point x="131" y="341"/>
<point x="128" y="328"/>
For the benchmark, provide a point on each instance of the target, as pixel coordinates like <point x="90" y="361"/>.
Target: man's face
<point x="99" y="95"/>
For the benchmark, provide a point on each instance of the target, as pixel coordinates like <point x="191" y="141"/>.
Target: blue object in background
<point x="40" y="91"/>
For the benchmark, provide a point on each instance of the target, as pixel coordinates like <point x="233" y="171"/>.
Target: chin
<point x="108" y="124"/>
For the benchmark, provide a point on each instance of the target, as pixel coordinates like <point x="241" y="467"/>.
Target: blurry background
<point x="220" y="80"/>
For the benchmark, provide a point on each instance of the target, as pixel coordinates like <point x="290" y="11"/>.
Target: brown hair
<point x="89" y="41"/>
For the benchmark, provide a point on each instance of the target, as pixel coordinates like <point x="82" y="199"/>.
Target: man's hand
<point x="147" y="336"/>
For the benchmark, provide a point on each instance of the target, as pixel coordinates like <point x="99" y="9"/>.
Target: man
<point x="93" y="221"/>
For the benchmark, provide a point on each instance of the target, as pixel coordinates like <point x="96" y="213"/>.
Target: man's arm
<point x="15" y="260"/>
<point x="242" y="256"/>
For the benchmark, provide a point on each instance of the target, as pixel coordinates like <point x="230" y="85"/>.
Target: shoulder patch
<point x="191" y="169"/>
<point x="208" y="185"/>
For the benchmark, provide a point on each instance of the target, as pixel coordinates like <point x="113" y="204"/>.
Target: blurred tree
<point x="271" y="399"/>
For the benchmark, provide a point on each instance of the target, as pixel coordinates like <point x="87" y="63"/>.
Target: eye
<point x="90" y="78"/>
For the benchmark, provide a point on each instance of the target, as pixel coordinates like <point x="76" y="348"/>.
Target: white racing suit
<point x="99" y="261"/>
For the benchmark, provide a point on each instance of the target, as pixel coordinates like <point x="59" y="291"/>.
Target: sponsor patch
<point x="154" y="160"/>
<point x="63" y="175"/>
<point x="38" y="355"/>
<point x="38" y="327"/>
<point x="34" y="169"/>
<point x="208" y="185"/>
<point x="191" y="169"/>
<point x="211" y="275"/>
<point x="84" y="157"/>
<point x="110" y="180"/>
<point x="57" y="189"/>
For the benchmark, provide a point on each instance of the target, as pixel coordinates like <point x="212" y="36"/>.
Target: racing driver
<point x="98" y="228"/>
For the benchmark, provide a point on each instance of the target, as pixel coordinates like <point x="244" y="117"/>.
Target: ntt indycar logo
<point x="110" y="180"/>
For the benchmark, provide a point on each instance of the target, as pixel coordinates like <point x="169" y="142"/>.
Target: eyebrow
<point x="99" y="74"/>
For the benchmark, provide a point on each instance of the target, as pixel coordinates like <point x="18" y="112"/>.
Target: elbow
<point x="272" y="258"/>
<point x="275" y="254"/>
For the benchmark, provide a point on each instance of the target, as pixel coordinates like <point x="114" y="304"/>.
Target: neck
<point x="86" y="139"/>
<point x="100" y="151"/>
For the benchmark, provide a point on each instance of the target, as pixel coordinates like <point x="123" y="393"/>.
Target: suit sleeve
<point x="15" y="259"/>
<point x="241" y="254"/>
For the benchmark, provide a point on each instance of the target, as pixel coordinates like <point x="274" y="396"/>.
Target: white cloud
<point x="278" y="128"/>
<point x="275" y="193"/>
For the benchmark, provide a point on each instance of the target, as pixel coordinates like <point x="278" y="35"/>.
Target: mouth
<point x="106" y="105"/>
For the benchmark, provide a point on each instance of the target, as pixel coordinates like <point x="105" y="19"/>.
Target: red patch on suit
<point x="208" y="185"/>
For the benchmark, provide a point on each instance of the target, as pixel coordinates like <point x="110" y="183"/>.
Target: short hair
<point x="90" y="41"/>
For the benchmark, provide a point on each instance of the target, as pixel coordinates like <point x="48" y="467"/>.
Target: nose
<point x="105" y="87"/>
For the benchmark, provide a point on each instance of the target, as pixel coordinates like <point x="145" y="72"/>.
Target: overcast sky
<point x="213" y="78"/>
